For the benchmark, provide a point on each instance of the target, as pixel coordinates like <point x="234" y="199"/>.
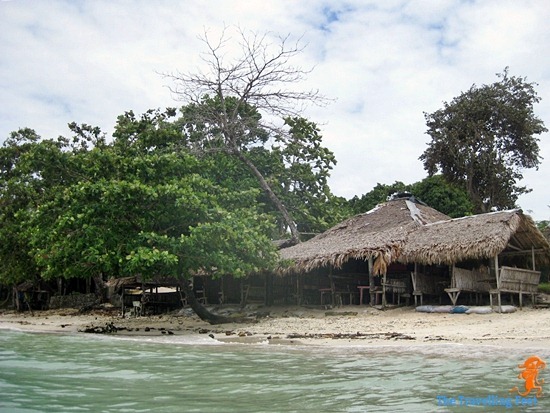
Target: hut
<point x="493" y="253"/>
<point x="419" y="251"/>
<point x="139" y="296"/>
<point x="30" y="296"/>
<point x="340" y="263"/>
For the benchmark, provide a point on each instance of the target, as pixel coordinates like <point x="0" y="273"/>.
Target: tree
<point x="234" y="105"/>
<point x="484" y="138"/>
<point x="434" y="191"/>
<point x="379" y="194"/>
<point x="442" y="196"/>
<point x="83" y="208"/>
<point x="30" y="170"/>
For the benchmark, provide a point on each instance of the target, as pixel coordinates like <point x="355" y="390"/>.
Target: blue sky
<point x="383" y="62"/>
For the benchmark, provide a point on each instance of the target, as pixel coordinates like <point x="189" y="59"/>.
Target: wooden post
<point x="298" y="292"/>
<point x="332" y="295"/>
<point x="533" y="256"/>
<point x="496" y="272"/>
<point x="453" y="279"/>
<point x="371" y="283"/>
<point x="498" y="284"/>
<point x="384" y="290"/>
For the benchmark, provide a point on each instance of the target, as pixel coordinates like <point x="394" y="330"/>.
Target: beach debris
<point x="436" y="338"/>
<point x="358" y="335"/>
<point x="341" y="313"/>
<point x="109" y="328"/>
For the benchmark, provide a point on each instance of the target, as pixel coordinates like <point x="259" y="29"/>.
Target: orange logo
<point x="530" y="373"/>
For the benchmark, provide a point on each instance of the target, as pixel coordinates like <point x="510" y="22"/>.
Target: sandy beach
<point x="350" y="325"/>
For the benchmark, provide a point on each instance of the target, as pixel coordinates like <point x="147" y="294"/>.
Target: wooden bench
<point x="424" y="284"/>
<point x="396" y="287"/>
<point x="516" y="281"/>
<point x="340" y="292"/>
<point x="472" y="281"/>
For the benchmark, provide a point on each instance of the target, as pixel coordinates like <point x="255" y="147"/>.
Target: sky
<point x="382" y="63"/>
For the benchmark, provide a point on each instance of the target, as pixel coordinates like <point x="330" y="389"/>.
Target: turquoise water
<point x="87" y="373"/>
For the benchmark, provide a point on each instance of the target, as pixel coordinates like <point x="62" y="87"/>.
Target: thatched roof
<point x="475" y="237"/>
<point x="138" y="280"/>
<point x="379" y="233"/>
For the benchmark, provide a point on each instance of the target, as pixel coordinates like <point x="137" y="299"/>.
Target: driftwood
<point x="111" y="328"/>
<point x="358" y="335"/>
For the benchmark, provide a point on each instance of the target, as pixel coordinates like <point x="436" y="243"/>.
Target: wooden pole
<point x="384" y="290"/>
<point x="371" y="283"/>
<point x="332" y="295"/>
<point x="498" y="284"/>
<point x="496" y="272"/>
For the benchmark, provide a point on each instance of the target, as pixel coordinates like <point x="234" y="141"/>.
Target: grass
<point x="544" y="288"/>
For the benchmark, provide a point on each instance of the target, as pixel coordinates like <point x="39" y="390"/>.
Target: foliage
<point x="30" y="171"/>
<point x="483" y="139"/>
<point x="379" y="194"/>
<point x="83" y="208"/>
<point x="233" y="106"/>
<point x="543" y="225"/>
<point x="290" y="165"/>
<point x="544" y="288"/>
<point x="442" y="196"/>
<point x="434" y="191"/>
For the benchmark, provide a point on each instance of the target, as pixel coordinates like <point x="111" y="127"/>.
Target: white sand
<point x="351" y="325"/>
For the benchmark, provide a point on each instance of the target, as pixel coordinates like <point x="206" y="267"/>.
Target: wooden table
<point x="324" y="291"/>
<point x="361" y="289"/>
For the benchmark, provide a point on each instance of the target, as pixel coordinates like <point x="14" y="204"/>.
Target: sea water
<point x="90" y="373"/>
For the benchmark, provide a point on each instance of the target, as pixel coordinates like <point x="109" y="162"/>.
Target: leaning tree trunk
<point x="272" y="196"/>
<point x="203" y="312"/>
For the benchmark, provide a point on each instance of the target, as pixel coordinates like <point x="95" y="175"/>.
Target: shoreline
<point x="349" y="326"/>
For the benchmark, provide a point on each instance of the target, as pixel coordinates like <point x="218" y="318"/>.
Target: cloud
<point x="385" y="63"/>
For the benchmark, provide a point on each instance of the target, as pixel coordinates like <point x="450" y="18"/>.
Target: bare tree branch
<point x="261" y="76"/>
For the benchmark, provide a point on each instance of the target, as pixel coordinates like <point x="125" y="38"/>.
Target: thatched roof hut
<point x="138" y="281"/>
<point x="476" y="237"/>
<point x="379" y="234"/>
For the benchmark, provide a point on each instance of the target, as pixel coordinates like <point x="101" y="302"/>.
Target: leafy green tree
<point x="85" y="208"/>
<point x="442" y="196"/>
<point x="483" y="139"/>
<point x="232" y="106"/>
<point x="379" y="194"/>
<point x="434" y="191"/>
<point x="291" y="167"/>
<point x="30" y="170"/>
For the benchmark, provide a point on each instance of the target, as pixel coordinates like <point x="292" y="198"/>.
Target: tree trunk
<point x="274" y="198"/>
<point x="202" y="312"/>
<point x="100" y="286"/>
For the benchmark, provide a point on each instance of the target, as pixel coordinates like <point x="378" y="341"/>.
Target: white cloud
<point x="385" y="62"/>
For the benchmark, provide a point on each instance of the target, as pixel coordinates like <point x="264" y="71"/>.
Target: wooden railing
<point x="516" y="281"/>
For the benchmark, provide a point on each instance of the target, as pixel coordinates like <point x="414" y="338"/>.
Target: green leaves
<point x="433" y="190"/>
<point x="128" y="207"/>
<point x="484" y="138"/>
